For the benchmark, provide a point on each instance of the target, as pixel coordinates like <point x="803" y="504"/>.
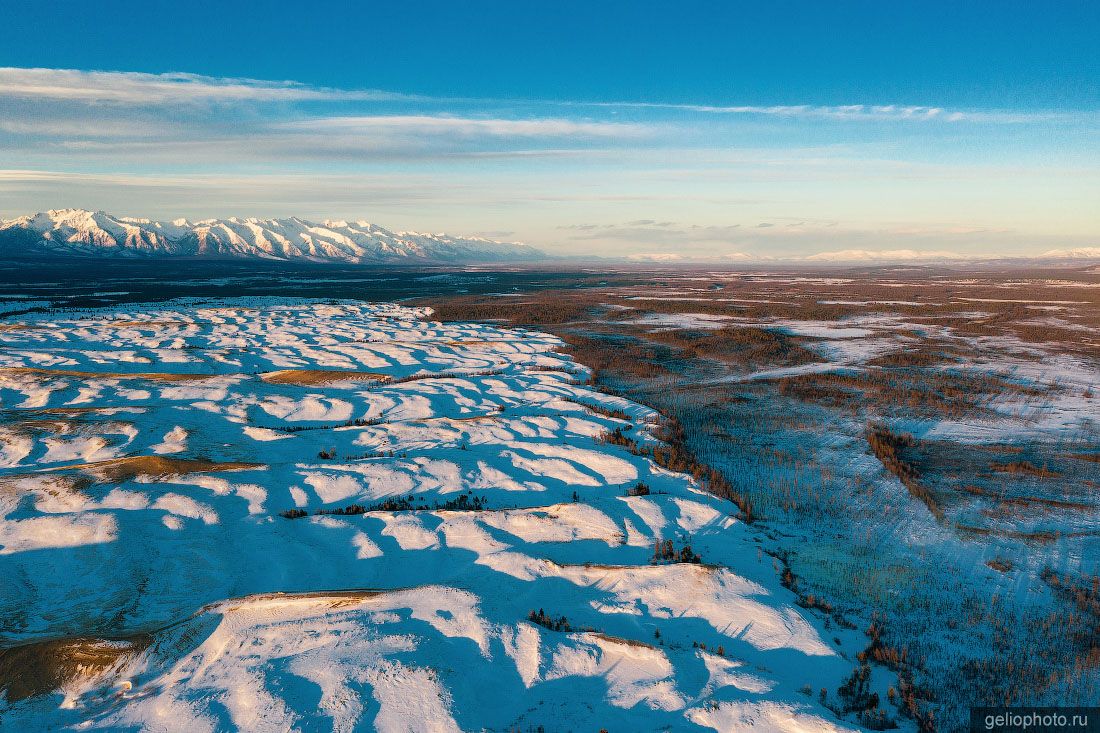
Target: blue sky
<point x="653" y="130"/>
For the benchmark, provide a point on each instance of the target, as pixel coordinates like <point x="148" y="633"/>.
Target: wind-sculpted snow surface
<point x="173" y="558"/>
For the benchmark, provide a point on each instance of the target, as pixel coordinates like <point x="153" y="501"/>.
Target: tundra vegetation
<point x="915" y="446"/>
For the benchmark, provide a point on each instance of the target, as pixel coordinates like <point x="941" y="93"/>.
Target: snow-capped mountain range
<point x="97" y="234"/>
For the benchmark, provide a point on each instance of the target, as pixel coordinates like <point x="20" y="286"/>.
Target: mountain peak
<point x="80" y="232"/>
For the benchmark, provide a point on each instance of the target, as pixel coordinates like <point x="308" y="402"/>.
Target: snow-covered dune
<point x="273" y="516"/>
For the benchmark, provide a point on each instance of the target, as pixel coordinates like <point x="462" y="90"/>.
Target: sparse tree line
<point x="554" y="623"/>
<point x="462" y="503"/>
<point x="666" y="553"/>
<point x="329" y="454"/>
<point x="719" y="650"/>
<point x="359" y="422"/>
<point x="608" y="412"/>
<point x="889" y="447"/>
<point x="856" y="697"/>
<point x="673" y="454"/>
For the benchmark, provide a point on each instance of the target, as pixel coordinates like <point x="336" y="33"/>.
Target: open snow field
<point x="269" y="515"/>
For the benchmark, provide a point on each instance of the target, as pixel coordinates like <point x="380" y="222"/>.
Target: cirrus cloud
<point x="465" y="126"/>
<point x="138" y="88"/>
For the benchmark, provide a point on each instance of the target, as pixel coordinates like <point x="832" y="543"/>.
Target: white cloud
<point x="130" y="87"/>
<point x="884" y="255"/>
<point x="139" y="88"/>
<point x="656" y="257"/>
<point x="855" y="112"/>
<point x="118" y="128"/>
<point x="397" y="199"/>
<point x="847" y="111"/>
<point x="464" y="126"/>
<point x="1075" y="253"/>
<point x="684" y="185"/>
<point x="696" y="257"/>
<point x="60" y="116"/>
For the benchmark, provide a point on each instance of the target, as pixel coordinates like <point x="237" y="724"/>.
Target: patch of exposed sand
<point x="116" y="470"/>
<point x="44" y="666"/>
<point x="314" y="377"/>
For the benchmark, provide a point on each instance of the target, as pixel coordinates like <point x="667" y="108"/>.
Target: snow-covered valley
<point x="265" y="514"/>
